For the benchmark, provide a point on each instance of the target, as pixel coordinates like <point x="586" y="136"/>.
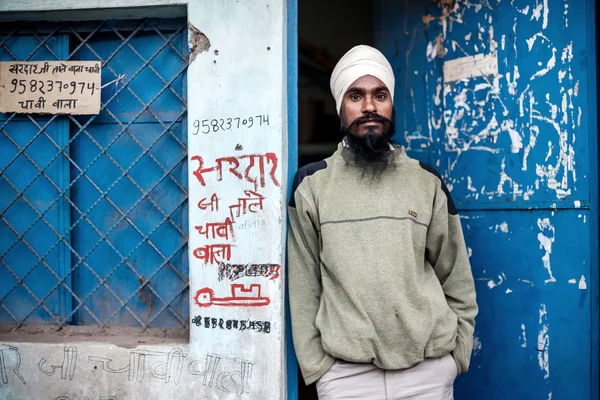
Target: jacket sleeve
<point x="447" y="253"/>
<point x="305" y="288"/>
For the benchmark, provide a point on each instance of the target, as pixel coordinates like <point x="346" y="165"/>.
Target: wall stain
<point x="199" y="42"/>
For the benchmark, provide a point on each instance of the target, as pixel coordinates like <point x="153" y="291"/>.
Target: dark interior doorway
<point x="326" y="30"/>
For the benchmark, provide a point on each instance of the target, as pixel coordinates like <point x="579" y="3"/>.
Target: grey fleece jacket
<point x="378" y="271"/>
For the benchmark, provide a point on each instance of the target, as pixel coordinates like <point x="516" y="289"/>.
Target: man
<point x="381" y="290"/>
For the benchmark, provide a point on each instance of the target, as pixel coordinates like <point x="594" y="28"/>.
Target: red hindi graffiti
<point x="217" y="230"/>
<point x="240" y="296"/>
<point x="213" y="204"/>
<point x="213" y="253"/>
<point x="233" y="165"/>
<point x="253" y="202"/>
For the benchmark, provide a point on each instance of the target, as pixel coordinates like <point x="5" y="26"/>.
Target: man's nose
<point x="369" y="105"/>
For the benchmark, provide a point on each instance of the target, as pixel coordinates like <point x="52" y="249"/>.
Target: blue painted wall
<point x="292" y="148"/>
<point x="518" y="149"/>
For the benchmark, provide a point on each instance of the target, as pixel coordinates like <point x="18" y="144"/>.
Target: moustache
<point x="371" y="117"/>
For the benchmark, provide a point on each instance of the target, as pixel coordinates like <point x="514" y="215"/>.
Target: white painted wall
<point x="242" y="75"/>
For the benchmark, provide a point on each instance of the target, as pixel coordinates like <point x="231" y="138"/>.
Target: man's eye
<point x="355" y="97"/>
<point x="381" y="97"/>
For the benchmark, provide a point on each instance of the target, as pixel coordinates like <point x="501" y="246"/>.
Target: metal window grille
<point x="93" y="209"/>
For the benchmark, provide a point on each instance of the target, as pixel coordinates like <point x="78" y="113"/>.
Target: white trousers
<point x="432" y="379"/>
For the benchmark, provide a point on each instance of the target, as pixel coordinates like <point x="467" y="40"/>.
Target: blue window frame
<point x="93" y="209"/>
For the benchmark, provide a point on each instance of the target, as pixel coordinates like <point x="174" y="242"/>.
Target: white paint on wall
<point x="550" y="64"/>
<point x="515" y="137"/>
<point x="476" y="345"/>
<point x="572" y="281"/>
<point x="502" y="227"/>
<point x="582" y="283"/>
<point x="549" y="154"/>
<point x="561" y="75"/>
<point x="431" y="51"/>
<point x="546" y="228"/>
<point x="470" y="184"/>
<point x="512" y="84"/>
<point x="537" y="11"/>
<point x="543" y="342"/>
<point x="546" y="11"/>
<point x="501" y="278"/>
<point x="531" y="41"/>
<point x="567" y="54"/>
<point x="564" y="162"/>
<point x="466" y="108"/>
<point x="541" y="10"/>
<point x="523" y="336"/>
<point x="503" y="178"/>
<point x="242" y="80"/>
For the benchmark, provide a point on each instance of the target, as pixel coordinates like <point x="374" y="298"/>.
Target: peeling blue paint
<point x="496" y="95"/>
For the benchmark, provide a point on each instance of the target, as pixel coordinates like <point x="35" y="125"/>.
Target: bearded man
<point x="381" y="291"/>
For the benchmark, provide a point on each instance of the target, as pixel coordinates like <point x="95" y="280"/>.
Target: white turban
<point x="357" y="62"/>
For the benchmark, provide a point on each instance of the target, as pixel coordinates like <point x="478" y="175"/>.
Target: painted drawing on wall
<point x="10" y="361"/>
<point x="240" y="296"/>
<point x="228" y="375"/>
<point x="266" y="164"/>
<point x="67" y="367"/>
<point x="162" y="365"/>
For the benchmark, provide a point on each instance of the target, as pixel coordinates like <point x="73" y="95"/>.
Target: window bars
<point x="93" y="209"/>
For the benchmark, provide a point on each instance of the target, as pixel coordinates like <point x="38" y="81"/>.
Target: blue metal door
<point x="93" y="209"/>
<point x="500" y="97"/>
<point x="34" y="215"/>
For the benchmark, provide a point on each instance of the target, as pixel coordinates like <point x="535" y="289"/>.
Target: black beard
<point x="370" y="152"/>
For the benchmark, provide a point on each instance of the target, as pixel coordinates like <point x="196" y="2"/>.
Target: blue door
<point x="34" y="214"/>
<point x="500" y="98"/>
<point x="93" y="209"/>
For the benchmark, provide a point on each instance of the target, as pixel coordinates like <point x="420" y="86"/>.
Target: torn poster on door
<point x="470" y="67"/>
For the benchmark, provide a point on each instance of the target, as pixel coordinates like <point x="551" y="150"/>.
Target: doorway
<point x="326" y="30"/>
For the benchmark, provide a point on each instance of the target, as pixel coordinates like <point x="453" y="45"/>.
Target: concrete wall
<point x="237" y="89"/>
<point x="237" y="179"/>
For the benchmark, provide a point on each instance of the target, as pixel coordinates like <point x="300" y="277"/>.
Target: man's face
<point x="365" y="100"/>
